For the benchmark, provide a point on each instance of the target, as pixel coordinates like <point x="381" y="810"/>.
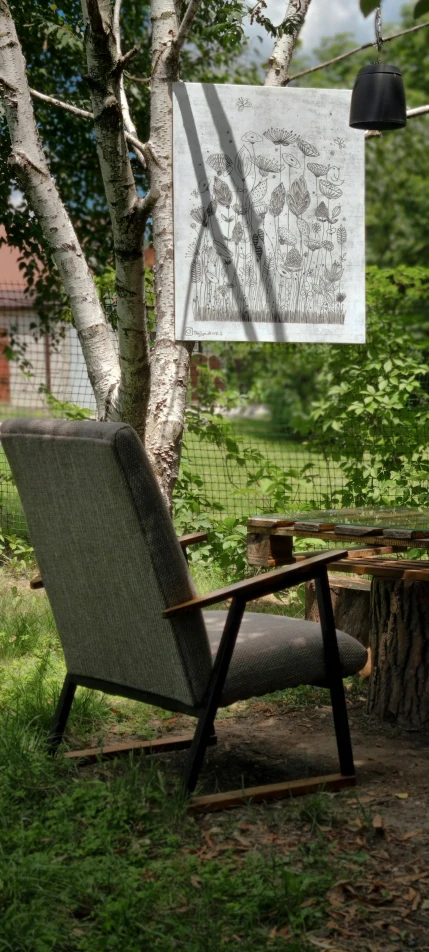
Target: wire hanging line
<point x="378" y="25"/>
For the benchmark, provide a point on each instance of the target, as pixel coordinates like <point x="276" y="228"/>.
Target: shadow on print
<point x="269" y="244"/>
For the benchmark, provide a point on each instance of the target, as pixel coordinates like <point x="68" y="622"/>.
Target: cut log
<point x="399" y="640"/>
<point x="350" y="601"/>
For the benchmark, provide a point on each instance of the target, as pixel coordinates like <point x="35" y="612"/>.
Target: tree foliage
<point x="52" y="41"/>
<point x="397" y="163"/>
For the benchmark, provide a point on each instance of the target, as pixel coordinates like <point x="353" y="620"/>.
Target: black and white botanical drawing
<point x="269" y="223"/>
<point x="269" y="243"/>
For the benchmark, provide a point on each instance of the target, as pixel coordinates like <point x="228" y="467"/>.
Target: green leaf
<point x="368" y="6"/>
<point x="421" y="8"/>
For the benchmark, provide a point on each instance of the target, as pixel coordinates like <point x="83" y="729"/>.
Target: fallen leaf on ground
<point x="407" y="836"/>
<point x="402" y="796"/>
<point x="378" y="824"/>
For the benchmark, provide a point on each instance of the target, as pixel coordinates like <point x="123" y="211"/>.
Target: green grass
<point x="225" y="481"/>
<point x="107" y="858"/>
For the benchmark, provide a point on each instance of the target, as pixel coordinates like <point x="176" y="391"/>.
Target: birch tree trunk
<point x="29" y="162"/>
<point x="128" y="212"/>
<point x="170" y="358"/>
<point x="279" y="62"/>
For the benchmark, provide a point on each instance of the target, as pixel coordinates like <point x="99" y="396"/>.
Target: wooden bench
<point x="389" y="611"/>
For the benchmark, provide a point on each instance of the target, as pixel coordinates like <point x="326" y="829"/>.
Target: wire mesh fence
<point x="255" y="466"/>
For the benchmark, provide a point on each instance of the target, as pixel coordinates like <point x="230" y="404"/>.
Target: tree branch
<point x="32" y="170"/>
<point x="126" y="114"/>
<point x="279" y="62"/>
<point x="139" y="148"/>
<point x="419" y="111"/>
<point x="357" y="49"/>
<point x="186" y="23"/>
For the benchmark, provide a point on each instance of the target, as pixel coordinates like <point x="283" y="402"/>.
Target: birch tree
<point x="143" y="386"/>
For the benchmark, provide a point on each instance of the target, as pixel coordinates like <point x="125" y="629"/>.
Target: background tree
<point x="132" y="183"/>
<point x="145" y="389"/>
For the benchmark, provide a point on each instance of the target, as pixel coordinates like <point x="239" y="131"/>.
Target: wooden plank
<point x="381" y="569"/>
<point x="356" y="530"/>
<point x="159" y="746"/>
<point x="273" y="791"/>
<point x="314" y="526"/>
<point x="336" y="537"/>
<point x="405" y="534"/>
<point x="266" y="522"/>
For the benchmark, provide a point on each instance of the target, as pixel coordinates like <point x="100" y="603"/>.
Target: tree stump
<point x="350" y="602"/>
<point x="399" y="642"/>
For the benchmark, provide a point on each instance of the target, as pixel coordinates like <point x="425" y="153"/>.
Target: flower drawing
<point x="266" y="244"/>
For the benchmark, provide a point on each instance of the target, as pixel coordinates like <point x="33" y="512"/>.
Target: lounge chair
<point x="128" y="615"/>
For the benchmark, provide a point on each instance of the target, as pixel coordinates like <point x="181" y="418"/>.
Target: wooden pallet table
<point x="389" y="611"/>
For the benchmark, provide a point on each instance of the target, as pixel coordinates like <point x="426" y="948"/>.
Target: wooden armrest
<point x="192" y="538"/>
<point x="261" y="585"/>
<point x="36" y="582"/>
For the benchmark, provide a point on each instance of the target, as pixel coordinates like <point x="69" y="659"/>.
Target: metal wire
<point x="378" y="26"/>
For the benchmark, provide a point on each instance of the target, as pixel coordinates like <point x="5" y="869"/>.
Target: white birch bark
<point x="279" y="61"/>
<point x="29" y="162"/>
<point x="128" y="212"/>
<point x="170" y="358"/>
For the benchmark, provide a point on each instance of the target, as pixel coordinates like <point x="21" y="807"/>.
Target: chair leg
<point x="203" y="734"/>
<point x="335" y="679"/>
<point x="205" y="726"/>
<point x="62" y="712"/>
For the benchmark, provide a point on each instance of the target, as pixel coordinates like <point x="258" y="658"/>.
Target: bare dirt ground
<point x="384" y="904"/>
<point x="377" y="835"/>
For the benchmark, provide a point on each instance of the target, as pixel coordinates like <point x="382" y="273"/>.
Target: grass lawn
<point x="226" y="481"/>
<point x="107" y="857"/>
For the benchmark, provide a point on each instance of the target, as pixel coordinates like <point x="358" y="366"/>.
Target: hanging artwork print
<point x="268" y="215"/>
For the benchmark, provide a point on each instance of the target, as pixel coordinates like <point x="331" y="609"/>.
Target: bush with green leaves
<point x="373" y="412"/>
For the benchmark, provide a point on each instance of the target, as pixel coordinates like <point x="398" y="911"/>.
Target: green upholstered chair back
<point x="109" y="556"/>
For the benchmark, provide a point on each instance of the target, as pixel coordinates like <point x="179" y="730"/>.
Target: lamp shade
<point x="378" y="99"/>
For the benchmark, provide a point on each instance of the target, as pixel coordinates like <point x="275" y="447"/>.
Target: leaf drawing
<point x="277" y="200"/>
<point x="196" y="271"/>
<point x="298" y="197"/>
<point x="258" y="192"/>
<point x="222" y="192"/>
<point x="237" y="232"/>
<point x="243" y="162"/>
<point x="242" y="103"/>
<point x="221" y="249"/>
<point x="322" y="212"/>
<point x="303" y="227"/>
<point x="341" y="235"/>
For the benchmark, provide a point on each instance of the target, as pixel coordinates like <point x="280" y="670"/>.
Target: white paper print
<point x="269" y="214"/>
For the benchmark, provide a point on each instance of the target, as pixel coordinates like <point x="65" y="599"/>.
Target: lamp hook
<point x="378" y="24"/>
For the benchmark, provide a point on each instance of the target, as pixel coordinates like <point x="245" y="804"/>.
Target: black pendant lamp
<point x="378" y="98"/>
